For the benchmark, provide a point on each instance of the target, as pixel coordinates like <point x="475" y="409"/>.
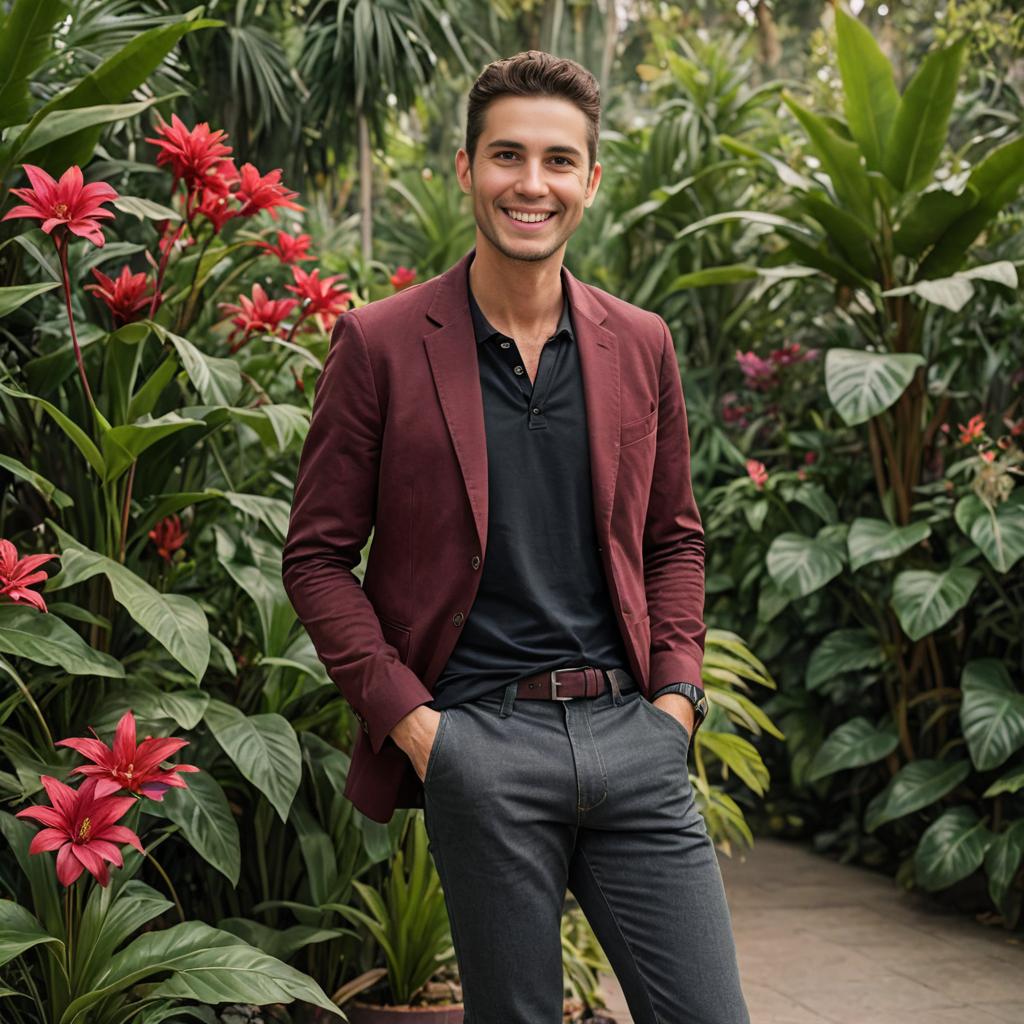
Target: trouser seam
<point x="625" y="941"/>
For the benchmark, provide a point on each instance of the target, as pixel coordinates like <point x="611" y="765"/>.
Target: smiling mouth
<point x="526" y="222"/>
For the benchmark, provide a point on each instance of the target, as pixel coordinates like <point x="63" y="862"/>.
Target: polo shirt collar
<point x="482" y="326"/>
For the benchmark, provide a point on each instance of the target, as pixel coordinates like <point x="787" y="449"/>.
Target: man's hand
<point x="415" y="735"/>
<point x="679" y="708"/>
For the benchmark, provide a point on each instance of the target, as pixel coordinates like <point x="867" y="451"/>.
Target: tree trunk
<point x="365" y="189"/>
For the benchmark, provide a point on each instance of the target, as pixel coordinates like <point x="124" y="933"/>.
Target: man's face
<point x="531" y="156"/>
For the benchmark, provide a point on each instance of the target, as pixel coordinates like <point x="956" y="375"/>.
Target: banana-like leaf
<point x="955" y="292"/>
<point x="16" y="295"/>
<point x="20" y="931"/>
<point x="48" y="640"/>
<point x="25" y="42"/>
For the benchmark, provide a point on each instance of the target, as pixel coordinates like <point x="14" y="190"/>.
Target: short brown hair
<point x="535" y="73"/>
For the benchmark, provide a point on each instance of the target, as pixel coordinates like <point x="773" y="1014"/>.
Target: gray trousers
<point x="524" y="799"/>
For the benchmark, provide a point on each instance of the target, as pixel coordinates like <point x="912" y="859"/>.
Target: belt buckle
<point x="555" y="683"/>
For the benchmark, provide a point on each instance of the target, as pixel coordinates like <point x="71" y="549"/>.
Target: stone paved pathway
<point x="826" y="943"/>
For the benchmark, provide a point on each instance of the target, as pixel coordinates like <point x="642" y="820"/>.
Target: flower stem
<point x="62" y="255"/>
<point x="168" y="882"/>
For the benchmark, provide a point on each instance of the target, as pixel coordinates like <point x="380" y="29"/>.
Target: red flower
<point x="125" y="296"/>
<point x="217" y="209"/>
<point x="135" y="767"/>
<point x="810" y="457"/>
<point x="264" y="192"/>
<point x="759" y="374"/>
<point x="191" y="154"/>
<point x="320" y="298"/>
<point x="402" y="278"/>
<point x="68" y="204"/>
<point x="974" y="429"/>
<point x="289" y="248"/>
<point x="258" y="315"/>
<point x="168" y="536"/>
<point x="17" y="574"/>
<point x="80" y="827"/>
<point x="757" y="473"/>
<point x="988" y="456"/>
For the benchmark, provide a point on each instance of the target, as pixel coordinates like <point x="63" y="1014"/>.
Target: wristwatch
<point x="694" y="694"/>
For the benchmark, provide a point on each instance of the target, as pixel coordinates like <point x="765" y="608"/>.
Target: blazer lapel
<point x="452" y="354"/>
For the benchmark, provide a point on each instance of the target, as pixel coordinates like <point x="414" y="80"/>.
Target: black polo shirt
<point x="543" y="601"/>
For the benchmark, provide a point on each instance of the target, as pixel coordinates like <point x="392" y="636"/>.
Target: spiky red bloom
<point x="289" y="248"/>
<point x="18" y="574"/>
<point x="757" y="472"/>
<point x="68" y="204"/>
<point x="133" y="766"/>
<point x="80" y="827"/>
<point x="264" y="192"/>
<point x="191" y="154"/>
<point x="258" y="315"/>
<point x="321" y="298"/>
<point x="168" y="536"/>
<point x="974" y="430"/>
<point x="126" y="296"/>
<point x="402" y="278"/>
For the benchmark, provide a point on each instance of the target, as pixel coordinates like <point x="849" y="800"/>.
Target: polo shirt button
<point x="475" y="562"/>
<point x="536" y="411"/>
<point x="505" y="344"/>
<point x="519" y="369"/>
<point x="458" y="618"/>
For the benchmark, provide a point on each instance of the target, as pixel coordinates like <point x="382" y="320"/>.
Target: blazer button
<point x="458" y="618"/>
<point x="475" y="562"/>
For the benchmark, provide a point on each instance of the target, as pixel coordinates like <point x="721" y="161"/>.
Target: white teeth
<point x="528" y="218"/>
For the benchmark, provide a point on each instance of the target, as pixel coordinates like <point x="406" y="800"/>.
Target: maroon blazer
<point x="397" y="444"/>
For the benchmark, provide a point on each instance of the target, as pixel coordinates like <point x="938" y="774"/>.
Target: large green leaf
<point x="280" y="425"/>
<point x="916" y="785"/>
<point x="930" y="216"/>
<point x="840" y="159"/>
<point x="25" y="42"/>
<point x="282" y="943"/>
<point x="20" y="931"/>
<point x="15" y="296"/>
<point x="59" y="124"/>
<point x="1011" y="782"/>
<point x="801" y="565"/>
<point x="852" y="239"/>
<point x="1003" y="860"/>
<point x="183" y="708"/>
<point x="264" y="749"/>
<point x="852" y="745"/>
<point x="112" y="82"/>
<point x="869" y="89"/>
<point x="955" y="292"/>
<point x="48" y="640"/>
<point x="272" y="512"/>
<point x="205" y="964"/>
<point x="925" y="601"/>
<point x="921" y="124"/>
<point x="123" y="445"/>
<point x="204" y="815"/>
<point x="999" y="533"/>
<point x="842" y="650"/>
<point x="863" y="384"/>
<point x="49" y="490"/>
<point x="218" y="381"/>
<point x="991" y="712"/>
<point x="951" y="847"/>
<point x="997" y="180"/>
<point x="178" y="622"/>
<point x="875" y="540"/>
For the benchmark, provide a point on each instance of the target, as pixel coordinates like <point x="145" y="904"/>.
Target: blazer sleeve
<point x="332" y="514"/>
<point x="673" y="540"/>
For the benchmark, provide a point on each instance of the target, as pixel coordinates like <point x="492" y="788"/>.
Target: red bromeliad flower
<point x="135" y="767"/>
<point x="757" y="472"/>
<point x="974" y="429"/>
<point x="264" y="192"/>
<point x="320" y="298"/>
<point x="80" y="827"/>
<point x="168" y="536"/>
<point x="402" y="278"/>
<point x="258" y="315"/>
<point x="191" y="154"/>
<point x="67" y="205"/>
<point x="17" y="574"/>
<point x="289" y="248"/>
<point x="126" y="296"/>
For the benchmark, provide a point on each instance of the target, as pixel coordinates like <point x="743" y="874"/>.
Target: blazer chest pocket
<point x="638" y="430"/>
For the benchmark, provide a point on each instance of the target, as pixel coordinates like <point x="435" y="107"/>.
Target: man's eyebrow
<point x="511" y="144"/>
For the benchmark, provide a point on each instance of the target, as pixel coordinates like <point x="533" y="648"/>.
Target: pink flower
<point x="80" y="827"/>
<point x="757" y="472"/>
<point x="135" y="767"/>
<point x="988" y="456"/>
<point x="289" y="248"/>
<point x="974" y="430"/>
<point x="191" y="154"/>
<point x="68" y="204"/>
<point x="258" y="315"/>
<point x="17" y="574"/>
<point x="264" y="192"/>
<point x="759" y="374"/>
<point x="402" y="278"/>
<point x="126" y="296"/>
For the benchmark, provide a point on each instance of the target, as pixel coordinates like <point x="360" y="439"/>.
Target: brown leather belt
<point x="576" y="681"/>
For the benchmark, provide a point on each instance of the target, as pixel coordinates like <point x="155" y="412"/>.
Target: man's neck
<point x="519" y="298"/>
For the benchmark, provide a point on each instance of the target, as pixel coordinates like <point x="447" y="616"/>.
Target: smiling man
<point x="524" y="656"/>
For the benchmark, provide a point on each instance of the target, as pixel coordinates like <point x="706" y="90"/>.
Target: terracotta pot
<point x="368" y="1013"/>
